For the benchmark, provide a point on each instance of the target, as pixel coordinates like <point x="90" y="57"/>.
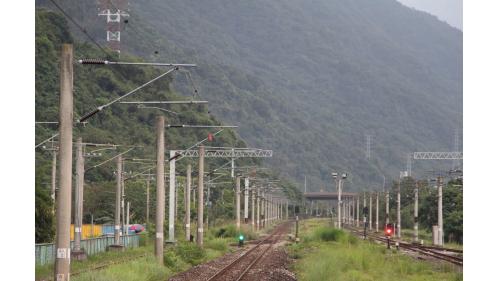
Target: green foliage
<point x="308" y="81"/>
<point x="349" y="258"/>
<point x="190" y="252"/>
<point x="217" y="244"/>
<point x="119" y="124"/>
<point x="44" y="216"/>
<point x="428" y="202"/>
<point x="329" y="234"/>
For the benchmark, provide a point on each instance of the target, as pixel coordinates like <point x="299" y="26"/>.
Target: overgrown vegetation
<point x="331" y="254"/>
<point x="120" y="124"/>
<point x="140" y="263"/>
<point x="310" y="80"/>
<point x="428" y="197"/>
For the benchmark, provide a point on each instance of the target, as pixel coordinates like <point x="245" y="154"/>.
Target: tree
<point x="44" y="216"/>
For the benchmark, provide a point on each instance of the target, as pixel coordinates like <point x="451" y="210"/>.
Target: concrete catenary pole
<point x="201" y="171"/>
<point x="245" y="210"/>
<point x="80" y="168"/>
<point x="63" y="209"/>
<point x="258" y="209"/>
<point x="118" y="198"/>
<point x="147" y="199"/>
<point x="127" y="224"/>
<point x="387" y="207"/>
<point x="238" y="204"/>
<point x="160" y="187"/>
<point x="364" y="213"/>
<point x="54" y="175"/>
<point x="187" y="201"/>
<point x="370" y="217"/>
<point x="357" y="211"/>
<point x="171" y="198"/>
<point x="440" y="211"/>
<point x="339" y="203"/>
<point x="399" y="209"/>
<point x="266" y="210"/>
<point x="376" y="212"/>
<point x="415" y="215"/>
<point x="253" y="209"/>
<point x="286" y="210"/>
<point x="123" y="199"/>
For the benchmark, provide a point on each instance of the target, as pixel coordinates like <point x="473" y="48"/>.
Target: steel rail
<point x="417" y="248"/>
<point x="240" y="258"/>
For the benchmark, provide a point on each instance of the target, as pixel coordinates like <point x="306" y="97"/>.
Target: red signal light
<point x="389" y="229"/>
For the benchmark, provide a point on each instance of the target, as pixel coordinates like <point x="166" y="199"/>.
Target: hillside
<point x="310" y="80"/>
<point x="119" y="124"/>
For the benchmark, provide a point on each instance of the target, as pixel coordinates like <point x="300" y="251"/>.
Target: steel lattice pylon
<point x="227" y="153"/>
<point x="438" y="155"/>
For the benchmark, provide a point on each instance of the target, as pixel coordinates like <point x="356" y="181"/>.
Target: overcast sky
<point x="449" y="11"/>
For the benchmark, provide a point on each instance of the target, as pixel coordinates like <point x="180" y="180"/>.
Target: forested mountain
<point x="122" y="124"/>
<point x="310" y="79"/>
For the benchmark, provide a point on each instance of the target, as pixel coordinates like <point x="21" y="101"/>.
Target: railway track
<point x="239" y="268"/>
<point x="445" y="254"/>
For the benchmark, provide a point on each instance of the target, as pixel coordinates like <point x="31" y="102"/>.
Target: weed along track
<point x="242" y="265"/>
<point x="453" y="256"/>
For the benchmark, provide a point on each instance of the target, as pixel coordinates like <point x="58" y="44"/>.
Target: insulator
<point x="93" y="61"/>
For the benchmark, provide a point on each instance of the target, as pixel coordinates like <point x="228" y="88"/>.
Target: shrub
<point x="190" y="253"/>
<point x="217" y="244"/>
<point x="329" y="234"/>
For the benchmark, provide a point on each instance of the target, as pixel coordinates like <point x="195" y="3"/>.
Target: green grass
<point x="177" y="258"/>
<point x="331" y="254"/>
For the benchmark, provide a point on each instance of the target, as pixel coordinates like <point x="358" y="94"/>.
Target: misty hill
<point x="311" y="79"/>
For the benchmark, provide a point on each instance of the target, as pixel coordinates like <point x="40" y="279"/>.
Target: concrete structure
<point x="201" y="171"/>
<point x="160" y="187"/>
<point x="63" y="200"/>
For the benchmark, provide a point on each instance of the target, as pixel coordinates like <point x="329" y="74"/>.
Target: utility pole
<point x="365" y="222"/>
<point x="118" y="198"/>
<point x="245" y="210"/>
<point x="160" y="186"/>
<point x="253" y="209"/>
<point x="123" y="199"/>
<point x="128" y="218"/>
<point x="187" y="201"/>
<point x="238" y="197"/>
<point x="258" y="208"/>
<point x="208" y="201"/>
<point x="63" y="210"/>
<point x="440" y="210"/>
<point x="386" y="207"/>
<point x="266" y="210"/>
<point x="54" y="175"/>
<point x="357" y="210"/>
<point x="171" y="198"/>
<point x="376" y="212"/>
<point x="77" y="252"/>
<point x="399" y="208"/>
<point x="339" y="202"/>
<point x="201" y="171"/>
<point x="415" y="215"/>
<point x="370" y="213"/>
<point x="286" y="214"/>
<point x="147" y="199"/>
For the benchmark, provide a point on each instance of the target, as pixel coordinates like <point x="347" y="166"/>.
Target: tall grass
<point x="332" y="254"/>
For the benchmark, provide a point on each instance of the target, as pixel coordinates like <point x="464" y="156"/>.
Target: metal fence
<point x="45" y="253"/>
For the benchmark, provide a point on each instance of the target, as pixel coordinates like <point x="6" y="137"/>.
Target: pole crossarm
<point x="224" y="153"/>
<point x="437" y="155"/>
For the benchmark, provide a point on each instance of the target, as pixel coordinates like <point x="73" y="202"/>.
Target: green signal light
<point x="241" y="237"/>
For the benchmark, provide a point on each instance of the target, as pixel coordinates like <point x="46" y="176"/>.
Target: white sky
<point x="450" y="11"/>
